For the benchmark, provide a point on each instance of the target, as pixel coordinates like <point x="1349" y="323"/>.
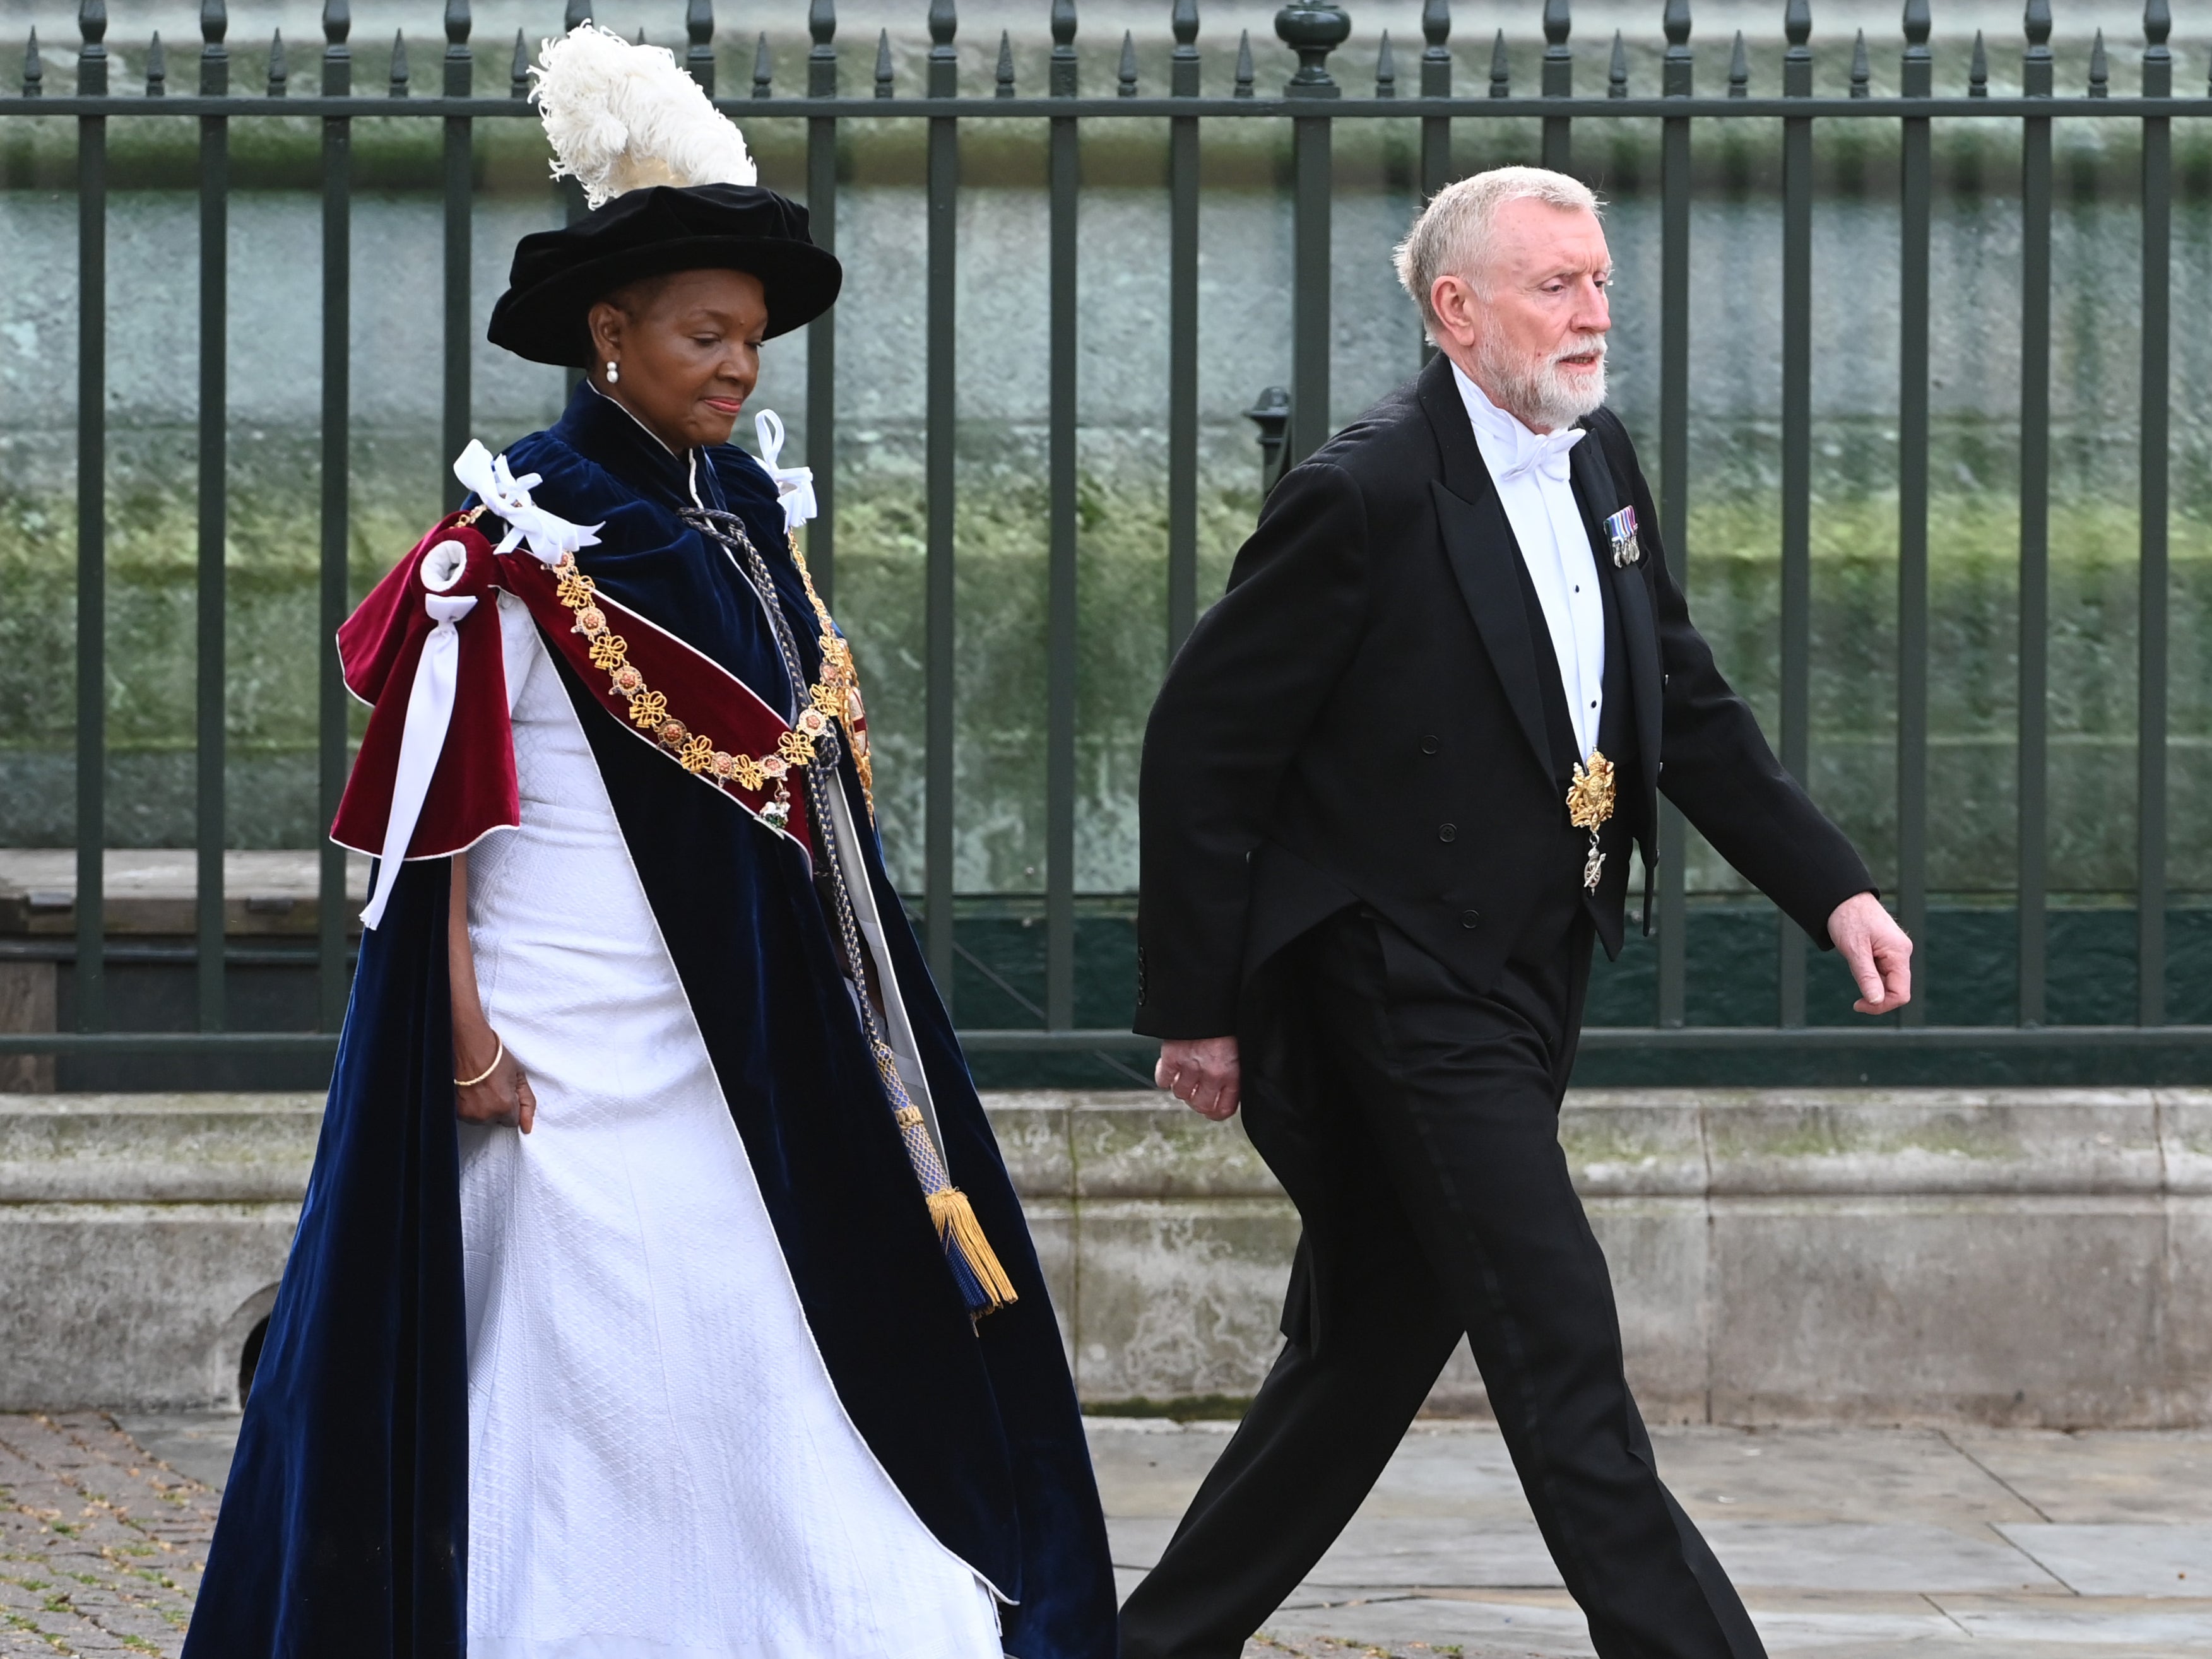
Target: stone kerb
<point x="2021" y="1256"/>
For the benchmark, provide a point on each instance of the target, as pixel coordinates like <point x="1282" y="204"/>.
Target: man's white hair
<point x="1453" y="235"/>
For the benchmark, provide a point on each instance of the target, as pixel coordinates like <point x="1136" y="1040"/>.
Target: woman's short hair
<point x="1452" y="235"/>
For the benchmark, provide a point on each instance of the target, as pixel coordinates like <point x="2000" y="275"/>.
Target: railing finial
<point x="1501" y="68"/>
<point x="399" y="74"/>
<point x="1182" y="67"/>
<point x="2036" y="65"/>
<point x="764" y="69"/>
<point x="1435" y="29"/>
<point x="2157" y="61"/>
<point x="157" y="69"/>
<point x="338" y="56"/>
<point x="35" y="70"/>
<point x="2158" y="24"/>
<point x="883" y="64"/>
<point x="699" y="55"/>
<point x="91" y="27"/>
<point x="575" y="15"/>
<point x="1126" y="79"/>
<point x="215" y="56"/>
<point x="943" y="56"/>
<point x="1738" y="70"/>
<point x="517" y="69"/>
<point x="1616" y="74"/>
<point x="821" y="57"/>
<point x="1386" y="70"/>
<point x="1061" y="76"/>
<point x="1243" y="87"/>
<point x="1675" y="21"/>
<point x="1862" y="67"/>
<point x="1797" y="26"/>
<point x="280" y="72"/>
<point x="1977" y="69"/>
<point x="1004" y="88"/>
<point x="1559" y="56"/>
<point x="1919" y="25"/>
<point x="1313" y="29"/>
<point x="2100" y="69"/>
<point x="460" y="61"/>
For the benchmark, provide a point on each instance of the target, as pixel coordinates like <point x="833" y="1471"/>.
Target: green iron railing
<point x="1312" y="102"/>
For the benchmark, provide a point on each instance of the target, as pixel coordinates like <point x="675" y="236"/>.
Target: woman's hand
<point x="503" y="1094"/>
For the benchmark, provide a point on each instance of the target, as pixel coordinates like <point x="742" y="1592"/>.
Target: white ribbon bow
<point x="485" y="475"/>
<point x="429" y="712"/>
<point x="794" y="485"/>
<point x="1545" y="453"/>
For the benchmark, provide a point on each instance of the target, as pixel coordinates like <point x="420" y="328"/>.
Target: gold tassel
<point x="957" y="1225"/>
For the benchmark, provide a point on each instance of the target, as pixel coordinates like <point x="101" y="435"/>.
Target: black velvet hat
<point x="558" y="276"/>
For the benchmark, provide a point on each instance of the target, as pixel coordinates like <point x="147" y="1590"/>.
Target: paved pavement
<point x="1855" y="1543"/>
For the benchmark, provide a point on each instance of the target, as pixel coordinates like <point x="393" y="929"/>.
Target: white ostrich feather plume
<point x="622" y="117"/>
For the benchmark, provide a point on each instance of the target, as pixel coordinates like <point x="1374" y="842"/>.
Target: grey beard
<point x="1538" y="392"/>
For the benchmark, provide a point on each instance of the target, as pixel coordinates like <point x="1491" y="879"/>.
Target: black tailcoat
<point x="1369" y="715"/>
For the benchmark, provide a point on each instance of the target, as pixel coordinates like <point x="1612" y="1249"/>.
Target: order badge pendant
<point x="1590" y="805"/>
<point x="1620" y="531"/>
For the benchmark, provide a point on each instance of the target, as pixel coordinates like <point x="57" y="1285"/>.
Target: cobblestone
<point x="101" y="1544"/>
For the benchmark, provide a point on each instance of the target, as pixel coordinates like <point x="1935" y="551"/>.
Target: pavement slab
<point x="1847" y="1543"/>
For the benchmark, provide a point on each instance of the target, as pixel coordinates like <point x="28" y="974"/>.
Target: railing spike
<point x="2101" y="70"/>
<point x="1386" y="70"/>
<point x="1243" y="87"/>
<point x="1738" y="70"/>
<point x="517" y="69"/>
<point x="280" y="72"/>
<point x="1616" y="75"/>
<point x="399" y="75"/>
<point x="1977" y="69"/>
<point x="1501" y="68"/>
<point x="1862" y="68"/>
<point x="34" y="71"/>
<point x="641" y="35"/>
<point x="1125" y="81"/>
<point x="763" y="67"/>
<point x="1003" y="86"/>
<point x="1675" y="21"/>
<point x="822" y="56"/>
<point x="699" y="55"/>
<point x="884" y="65"/>
<point x="157" y="69"/>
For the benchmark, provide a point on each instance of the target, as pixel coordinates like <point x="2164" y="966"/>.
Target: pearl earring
<point x="614" y="375"/>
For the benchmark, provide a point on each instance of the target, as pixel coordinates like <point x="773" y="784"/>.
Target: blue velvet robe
<point x="343" y="1530"/>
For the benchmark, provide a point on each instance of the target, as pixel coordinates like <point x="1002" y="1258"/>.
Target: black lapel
<point x="1599" y="496"/>
<point x="1485" y="558"/>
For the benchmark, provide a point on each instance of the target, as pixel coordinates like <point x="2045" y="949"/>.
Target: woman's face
<point x="685" y="350"/>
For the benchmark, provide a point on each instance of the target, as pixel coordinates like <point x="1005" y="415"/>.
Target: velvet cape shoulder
<point x="343" y="1527"/>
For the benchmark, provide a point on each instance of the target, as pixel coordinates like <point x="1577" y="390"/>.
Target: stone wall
<point x="2033" y="1256"/>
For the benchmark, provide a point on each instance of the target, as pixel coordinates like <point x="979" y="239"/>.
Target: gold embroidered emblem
<point x="1590" y="805"/>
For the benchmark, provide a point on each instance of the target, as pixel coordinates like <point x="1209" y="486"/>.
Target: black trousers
<point x="1437" y="1205"/>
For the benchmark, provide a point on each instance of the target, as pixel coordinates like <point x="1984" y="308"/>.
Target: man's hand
<point x="1202" y="1073"/>
<point x="1875" y="950"/>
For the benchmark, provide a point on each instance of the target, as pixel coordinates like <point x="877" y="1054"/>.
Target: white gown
<point x="658" y="1465"/>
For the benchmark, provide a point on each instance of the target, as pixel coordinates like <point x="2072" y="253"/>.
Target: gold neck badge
<point x="1589" y="804"/>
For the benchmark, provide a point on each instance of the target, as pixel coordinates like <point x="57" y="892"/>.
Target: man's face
<point x="1529" y="329"/>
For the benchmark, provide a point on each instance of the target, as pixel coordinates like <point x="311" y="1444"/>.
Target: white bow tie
<point x="1545" y="453"/>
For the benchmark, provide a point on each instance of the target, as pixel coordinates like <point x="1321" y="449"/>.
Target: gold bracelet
<point x="471" y="1082"/>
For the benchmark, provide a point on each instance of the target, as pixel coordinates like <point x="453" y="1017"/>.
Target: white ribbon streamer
<point x="429" y="712"/>
<point x="794" y="485"/>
